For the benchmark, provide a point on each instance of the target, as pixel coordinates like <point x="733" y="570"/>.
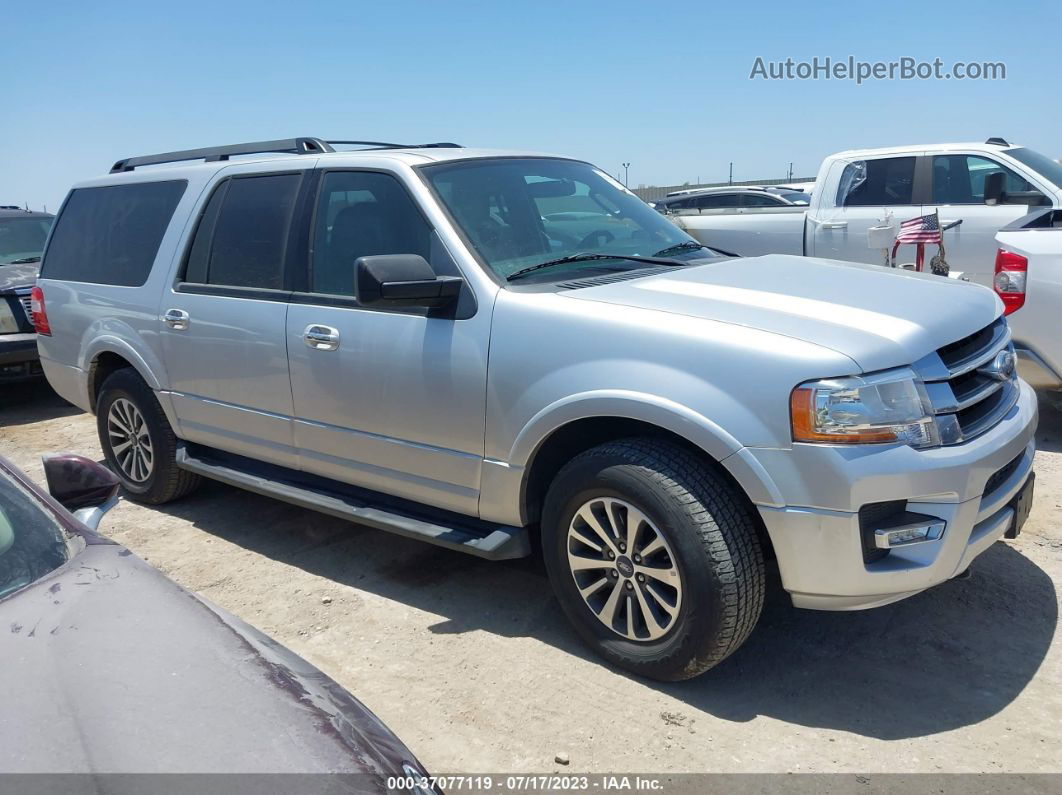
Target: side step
<point x="463" y="534"/>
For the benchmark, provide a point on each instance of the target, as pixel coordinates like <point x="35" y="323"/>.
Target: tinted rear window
<point x="111" y="235"/>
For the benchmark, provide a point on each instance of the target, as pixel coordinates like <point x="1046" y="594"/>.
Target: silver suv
<point x="494" y="351"/>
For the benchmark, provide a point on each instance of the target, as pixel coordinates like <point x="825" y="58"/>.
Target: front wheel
<point x="654" y="556"/>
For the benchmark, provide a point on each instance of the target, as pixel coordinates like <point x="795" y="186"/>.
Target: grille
<point x="25" y="301"/>
<point x="1000" y="476"/>
<point x="968" y="397"/>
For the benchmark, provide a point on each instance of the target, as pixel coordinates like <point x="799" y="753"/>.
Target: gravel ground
<point x="472" y="664"/>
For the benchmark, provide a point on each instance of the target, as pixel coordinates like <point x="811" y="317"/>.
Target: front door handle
<point x="176" y="319"/>
<point x="321" y="338"/>
<point x="834" y="224"/>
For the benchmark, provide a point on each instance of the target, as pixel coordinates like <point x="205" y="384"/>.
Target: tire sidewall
<point x="700" y="615"/>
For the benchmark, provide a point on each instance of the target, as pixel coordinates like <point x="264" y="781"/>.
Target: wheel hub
<point x="130" y="442"/>
<point x="624" y="569"/>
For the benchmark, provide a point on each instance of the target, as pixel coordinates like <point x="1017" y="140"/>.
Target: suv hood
<point x="14" y="276"/>
<point x="879" y="317"/>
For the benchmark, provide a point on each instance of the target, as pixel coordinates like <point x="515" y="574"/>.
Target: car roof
<point x="979" y="146"/>
<point x="413" y="156"/>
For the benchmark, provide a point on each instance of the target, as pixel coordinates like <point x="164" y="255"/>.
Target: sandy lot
<point x="473" y="665"/>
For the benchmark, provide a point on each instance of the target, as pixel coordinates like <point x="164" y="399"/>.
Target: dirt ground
<point x="473" y="665"/>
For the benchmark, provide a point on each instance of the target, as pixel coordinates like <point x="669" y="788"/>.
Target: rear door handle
<point x="321" y="338"/>
<point x="176" y="319"/>
<point x="834" y="224"/>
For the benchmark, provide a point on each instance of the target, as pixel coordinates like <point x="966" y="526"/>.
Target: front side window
<point x="877" y="183"/>
<point x="32" y="543"/>
<point x="960" y="179"/>
<point x="242" y="236"/>
<point x="22" y="238"/>
<point x="362" y="214"/>
<point x="111" y="235"/>
<point x="517" y="213"/>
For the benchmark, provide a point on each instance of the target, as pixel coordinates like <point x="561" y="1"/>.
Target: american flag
<point x="920" y="230"/>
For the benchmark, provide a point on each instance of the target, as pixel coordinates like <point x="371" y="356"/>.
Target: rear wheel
<point x="138" y="442"/>
<point x="654" y="556"/>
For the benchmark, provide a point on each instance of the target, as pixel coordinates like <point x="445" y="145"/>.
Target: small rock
<point x="562" y="758"/>
<point x="327" y="600"/>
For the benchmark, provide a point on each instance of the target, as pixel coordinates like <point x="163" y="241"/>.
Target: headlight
<point x="8" y="321"/>
<point x="887" y="407"/>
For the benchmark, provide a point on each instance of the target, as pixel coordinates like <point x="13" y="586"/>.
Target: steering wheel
<point x="598" y="237"/>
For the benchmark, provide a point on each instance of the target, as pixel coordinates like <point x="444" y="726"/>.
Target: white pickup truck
<point x="1029" y="280"/>
<point x="986" y="186"/>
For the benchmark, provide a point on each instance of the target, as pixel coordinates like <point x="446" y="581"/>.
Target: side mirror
<point x="402" y="280"/>
<point x="83" y="487"/>
<point x="994" y="188"/>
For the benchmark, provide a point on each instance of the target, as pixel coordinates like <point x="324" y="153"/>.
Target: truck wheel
<point x="654" y="556"/>
<point x="138" y="442"/>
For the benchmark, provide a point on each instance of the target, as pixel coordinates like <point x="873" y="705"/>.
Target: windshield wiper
<point x="685" y="245"/>
<point x="588" y="257"/>
<point x="24" y="261"/>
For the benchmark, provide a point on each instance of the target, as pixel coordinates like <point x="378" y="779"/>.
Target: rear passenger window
<point x="111" y="235"/>
<point x="362" y="213"/>
<point x="716" y="201"/>
<point x="759" y="200"/>
<point x="242" y="235"/>
<point x="877" y="183"/>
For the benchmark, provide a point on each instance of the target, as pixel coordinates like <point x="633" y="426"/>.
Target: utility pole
<point x="626" y="171"/>
<point x="790" y="172"/>
<point x="730" y="179"/>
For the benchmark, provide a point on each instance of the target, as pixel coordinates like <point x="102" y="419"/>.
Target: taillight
<point x="38" y="314"/>
<point x="1011" y="270"/>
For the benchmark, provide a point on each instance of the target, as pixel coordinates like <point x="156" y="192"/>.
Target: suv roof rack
<point x="295" y="146"/>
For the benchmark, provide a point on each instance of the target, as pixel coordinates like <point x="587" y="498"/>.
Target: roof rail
<point x="385" y="145"/>
<point x="296" y="146"/>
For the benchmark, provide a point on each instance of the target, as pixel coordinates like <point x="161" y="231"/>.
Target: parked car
<point x="404" y="337"/>
<point x="734" y="197"/>
<point x="119" y="669"/>
<point x="22" y="236"/>
<point x="1029" y="280"/>
<point x="855" y="190"/>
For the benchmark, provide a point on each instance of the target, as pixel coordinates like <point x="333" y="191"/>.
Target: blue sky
<point x="662" y="85"/>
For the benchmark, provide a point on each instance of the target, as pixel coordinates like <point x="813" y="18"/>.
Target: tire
<point x="709" y="537"/>
<point x="123" y="398"/>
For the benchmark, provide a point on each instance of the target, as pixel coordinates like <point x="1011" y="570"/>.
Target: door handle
<point x="176" y="319"/>
<point x="834" y="224"/>
<point x="321" y="338"/>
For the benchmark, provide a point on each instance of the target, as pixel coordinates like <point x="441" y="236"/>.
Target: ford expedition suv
<point x="493" y="351"/>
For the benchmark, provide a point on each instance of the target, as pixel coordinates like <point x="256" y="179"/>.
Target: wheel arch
<point x="108" y="355"/>
<point x="578" y="425"/>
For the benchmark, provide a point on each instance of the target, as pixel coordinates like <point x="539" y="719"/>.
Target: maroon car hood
<point x="111" y="667"/>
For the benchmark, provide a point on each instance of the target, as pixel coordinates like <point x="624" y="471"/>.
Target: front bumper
<point x="18" y="357"/>
<point x="817" y="535"/>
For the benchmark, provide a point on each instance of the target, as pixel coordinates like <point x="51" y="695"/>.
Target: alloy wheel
<point x="130" y="441"/>
<point x="624" y="569"/>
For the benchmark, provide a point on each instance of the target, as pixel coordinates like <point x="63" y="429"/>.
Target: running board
<point x="483" y="539"/>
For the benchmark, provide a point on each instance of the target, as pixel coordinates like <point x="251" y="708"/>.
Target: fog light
<point x="910" y="528"/>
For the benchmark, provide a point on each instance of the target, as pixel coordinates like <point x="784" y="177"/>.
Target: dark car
<point x="111" y="667"/>
<point x="22" y="237"/>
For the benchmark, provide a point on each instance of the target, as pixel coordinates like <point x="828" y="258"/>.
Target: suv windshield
<point x="31" y="541"/>
<point x="1043" y="165"/>
<point x="517" y="213"/>
<point x="23" y="238"/>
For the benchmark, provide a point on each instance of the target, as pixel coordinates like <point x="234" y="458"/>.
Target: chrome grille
<point x="968" y="394"/>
